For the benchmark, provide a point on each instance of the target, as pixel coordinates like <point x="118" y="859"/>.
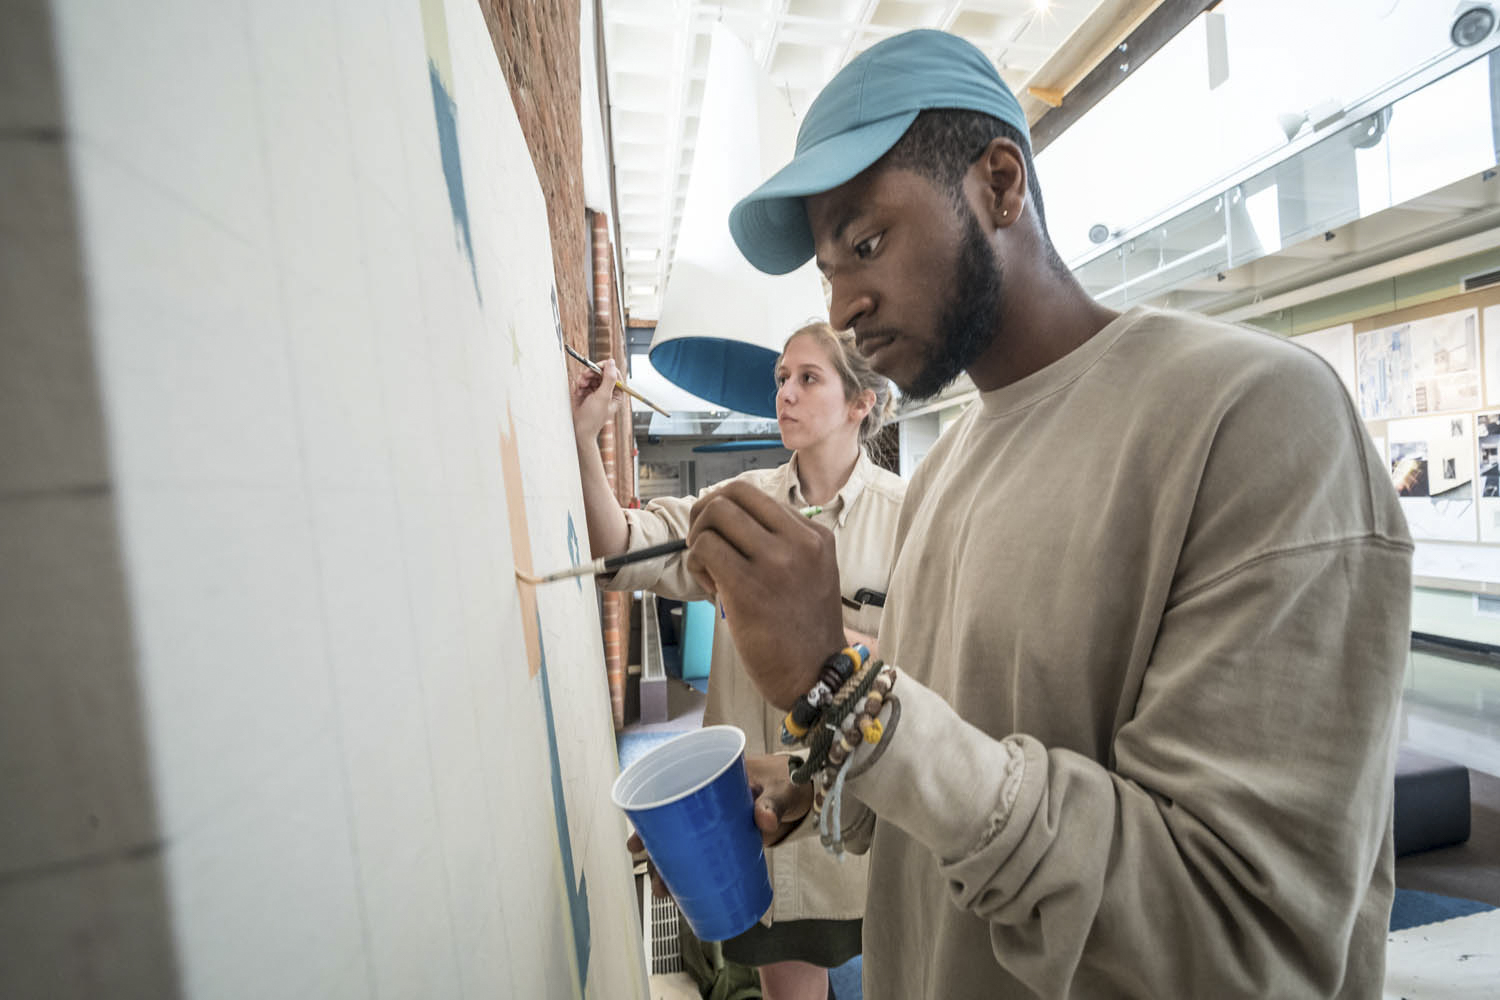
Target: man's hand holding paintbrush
<point x="777" y="576"/>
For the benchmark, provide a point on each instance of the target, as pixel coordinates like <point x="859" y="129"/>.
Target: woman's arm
<point x="594" y="400"/>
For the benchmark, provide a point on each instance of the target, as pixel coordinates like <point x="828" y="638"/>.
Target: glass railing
<point x="1444" y="132"/>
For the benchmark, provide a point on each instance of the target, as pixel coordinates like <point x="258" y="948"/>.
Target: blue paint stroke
<point x="453" y="170"/>
<point x="578" y="899"/>
<point x="573" y="554"/>
<point x="557" y="319"/>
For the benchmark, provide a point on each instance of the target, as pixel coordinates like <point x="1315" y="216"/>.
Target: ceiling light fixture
<point x="722" y="323"/>
<point x="1472" y="23"/>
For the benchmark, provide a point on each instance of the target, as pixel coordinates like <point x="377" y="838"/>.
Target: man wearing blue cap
<point x="1149" y="607"/>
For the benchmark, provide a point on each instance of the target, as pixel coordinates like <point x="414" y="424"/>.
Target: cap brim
<point x="769" y="225"/>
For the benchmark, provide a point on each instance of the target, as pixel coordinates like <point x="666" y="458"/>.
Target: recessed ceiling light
<point x="641" y="255"/>
<point x="645" y="290"/>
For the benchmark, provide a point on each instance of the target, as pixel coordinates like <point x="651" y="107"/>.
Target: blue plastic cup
<point x="690" y="801"/>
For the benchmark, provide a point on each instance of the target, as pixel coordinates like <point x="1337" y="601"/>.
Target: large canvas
<point x="316" y="268"/>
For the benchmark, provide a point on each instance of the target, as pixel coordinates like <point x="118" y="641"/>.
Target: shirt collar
<point x="843" y="500"/>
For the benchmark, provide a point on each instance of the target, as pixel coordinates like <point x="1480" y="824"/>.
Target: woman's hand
<point x="595" y="398"/>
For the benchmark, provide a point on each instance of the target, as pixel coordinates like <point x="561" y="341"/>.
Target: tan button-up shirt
<point x="808" y="883"/>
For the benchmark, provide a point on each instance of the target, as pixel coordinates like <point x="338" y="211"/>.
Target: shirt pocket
<point x="865" y="618"/>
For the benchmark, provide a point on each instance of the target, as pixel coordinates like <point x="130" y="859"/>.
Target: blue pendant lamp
<point x="722" y="322"/>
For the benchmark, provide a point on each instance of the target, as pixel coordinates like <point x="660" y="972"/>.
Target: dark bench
<point x="1432" y="802"/>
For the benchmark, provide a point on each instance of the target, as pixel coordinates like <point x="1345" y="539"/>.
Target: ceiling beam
<point x="1084" y="48"/>
<point x="1156" y="24"/>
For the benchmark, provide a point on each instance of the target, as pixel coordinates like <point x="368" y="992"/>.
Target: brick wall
<point x="536" y="42"/>
<point x="537" y="45"/>
<point x="616" y="446"/>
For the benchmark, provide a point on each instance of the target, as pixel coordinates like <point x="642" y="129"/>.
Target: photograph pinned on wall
<point x="1432" y="468"/>
<point x="1422" y="366"/>
<point x="1409" y="468"/>
<point x="1487" y="475"/>
<point x="1492" y="356"/>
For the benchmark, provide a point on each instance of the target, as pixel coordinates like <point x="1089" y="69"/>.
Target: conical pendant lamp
<point x="722" y="322"/>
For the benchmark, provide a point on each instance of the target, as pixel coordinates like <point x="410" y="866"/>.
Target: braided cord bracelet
<point x="860" y="725"/>
<point x="824" y="739"/>
<point x="808" y="709"/>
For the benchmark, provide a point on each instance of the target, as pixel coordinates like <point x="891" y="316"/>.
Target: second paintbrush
<point x="618" y="384"/>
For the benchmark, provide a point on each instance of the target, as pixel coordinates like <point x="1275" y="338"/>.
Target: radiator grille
<point x="659" y="919"/>
<point x="652" y="667"/>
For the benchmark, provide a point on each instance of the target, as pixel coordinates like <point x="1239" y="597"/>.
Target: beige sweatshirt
<point x="1151" y="608"/>
<point x="806" y="881"/>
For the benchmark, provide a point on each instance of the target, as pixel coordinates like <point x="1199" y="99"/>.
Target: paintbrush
<point x="608" y="564"/>
<point x="618" y="384"/>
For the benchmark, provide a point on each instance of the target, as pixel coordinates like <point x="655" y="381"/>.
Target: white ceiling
<point x="657" y="56"/>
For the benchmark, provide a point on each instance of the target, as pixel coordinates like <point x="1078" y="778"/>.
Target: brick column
<point x="616" y="446"/>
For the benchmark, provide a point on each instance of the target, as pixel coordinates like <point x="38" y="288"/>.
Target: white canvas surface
<point x="310" y="360"/>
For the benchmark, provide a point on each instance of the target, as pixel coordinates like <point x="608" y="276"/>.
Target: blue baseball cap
<point x="858" y="116"/>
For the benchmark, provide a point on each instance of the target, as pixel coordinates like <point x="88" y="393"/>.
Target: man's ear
<point x="1000" y="173"/>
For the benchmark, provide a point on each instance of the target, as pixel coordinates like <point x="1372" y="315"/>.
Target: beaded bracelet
<point x="825" y="736"/>
<point x="835" y="672"/>
<point x="863" y="724"/>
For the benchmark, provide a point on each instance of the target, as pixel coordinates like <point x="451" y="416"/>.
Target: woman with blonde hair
<point x="829" y="406"/>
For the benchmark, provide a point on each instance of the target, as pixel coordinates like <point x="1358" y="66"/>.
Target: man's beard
<point x="967" y="325"/>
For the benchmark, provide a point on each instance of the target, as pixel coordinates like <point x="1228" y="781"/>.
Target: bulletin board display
<point x="1427" y="383"/>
